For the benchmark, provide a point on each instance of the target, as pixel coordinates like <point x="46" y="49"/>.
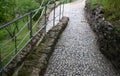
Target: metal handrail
<point x="31" y="27"/>
<point x="11" y="22"/>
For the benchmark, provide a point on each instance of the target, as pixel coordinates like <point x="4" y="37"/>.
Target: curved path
<point x="76" y="53"/>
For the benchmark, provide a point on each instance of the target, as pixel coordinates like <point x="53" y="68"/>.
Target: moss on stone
<point x="37" y="61"/>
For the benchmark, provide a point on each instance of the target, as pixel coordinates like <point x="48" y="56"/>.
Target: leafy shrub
<point x="23" y="6"/>
<point x="3" y="34"/>
<point x="111" y="8"/>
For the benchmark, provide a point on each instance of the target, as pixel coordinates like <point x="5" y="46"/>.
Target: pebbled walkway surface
<point x="77" y="53"/>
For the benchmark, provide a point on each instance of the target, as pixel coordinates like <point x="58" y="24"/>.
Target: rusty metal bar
<point x="0" y="63"/>
<point x="15" y="20"/>
<point x="60" y="12"/>
<point x="63" y="9"/>
<point x="15" y="39"/>
<point x="54" y="14"/>
<point x="30" y="14"/>
<point x="45" y="18"/>
<point x="31" y="31"/>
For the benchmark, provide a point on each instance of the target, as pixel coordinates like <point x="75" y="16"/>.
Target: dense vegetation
<point x="110" y="7"/>
<point x="9" y="9"/>
<point x="6" y="10"/>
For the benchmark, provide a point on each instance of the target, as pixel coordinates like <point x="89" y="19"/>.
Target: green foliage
<point x="3" y="34"/>
<point x="46" y="1"/>
<point x="6" y="10"/>
<point x="111" y="8"/>
<point x="9" y="8"/>
<point x="24" y="6"/>
<point x="40" y="1"/>
<point x="112" y="17"/>
<point x="69" y="1"/>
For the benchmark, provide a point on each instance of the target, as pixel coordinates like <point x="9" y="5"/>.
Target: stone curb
<point x="36" y="62"/>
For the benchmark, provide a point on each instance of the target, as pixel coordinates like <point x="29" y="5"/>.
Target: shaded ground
<point x="77" y="52"/>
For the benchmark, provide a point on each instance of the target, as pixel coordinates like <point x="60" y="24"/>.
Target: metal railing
<point x="19" y="32"/>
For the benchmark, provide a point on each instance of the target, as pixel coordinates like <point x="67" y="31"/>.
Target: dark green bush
<point x="111" y="8"/>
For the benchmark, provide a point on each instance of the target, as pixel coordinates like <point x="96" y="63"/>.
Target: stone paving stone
<point x="77" y="52"/>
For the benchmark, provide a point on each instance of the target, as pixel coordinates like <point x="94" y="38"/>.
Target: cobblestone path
<point x="76" y="53"/>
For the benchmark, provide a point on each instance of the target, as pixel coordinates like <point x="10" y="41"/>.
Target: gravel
<point x="77" y="52"/>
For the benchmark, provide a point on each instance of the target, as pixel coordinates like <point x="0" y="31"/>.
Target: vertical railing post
<point x="15" y="39"/>
<point x="0" y="63"/>
<point x="60" y="12"/>
<point x="30" y="24"/>
<point x="16" y="24"/>
<point x="30" y="27"/>
<point x="45" y="17"/>
<point x="63" y="9"/>
<point x="54" y="14"/>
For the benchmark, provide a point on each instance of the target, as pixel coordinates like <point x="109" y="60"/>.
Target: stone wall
<point x="108" y="36"/>
<point x="37" y="61"/>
